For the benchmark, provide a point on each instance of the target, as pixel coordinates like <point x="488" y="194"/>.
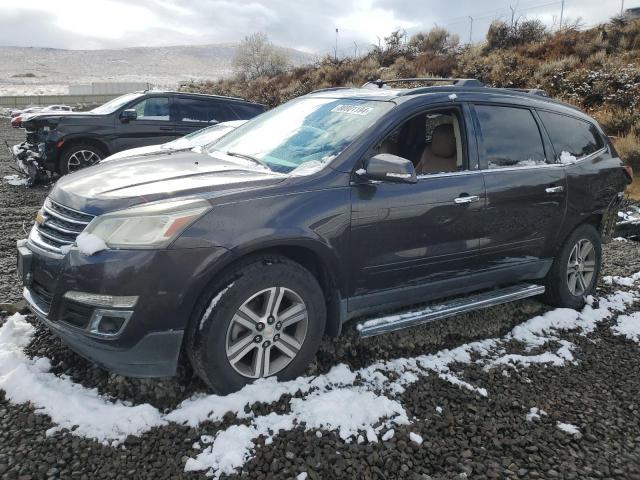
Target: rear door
<point x="154" y="124"/>
<point x="526" y="190"/>
<point x="196" y="113"/>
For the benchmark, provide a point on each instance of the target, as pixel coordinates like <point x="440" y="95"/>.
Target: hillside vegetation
<point x="595" y="69"/>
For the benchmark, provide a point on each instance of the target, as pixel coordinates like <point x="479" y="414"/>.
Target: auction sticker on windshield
<point x="352" y="109"/>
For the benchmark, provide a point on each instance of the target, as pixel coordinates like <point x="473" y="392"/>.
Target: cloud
<point x="308" y="25"/>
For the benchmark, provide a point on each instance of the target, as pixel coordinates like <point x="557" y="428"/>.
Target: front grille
<point x="44" y="295"/>
<point x="60" y="226"/>
<point x="76" y="314"/>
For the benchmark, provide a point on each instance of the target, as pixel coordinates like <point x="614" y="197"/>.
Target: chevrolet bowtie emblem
<point x="39" y="217"/>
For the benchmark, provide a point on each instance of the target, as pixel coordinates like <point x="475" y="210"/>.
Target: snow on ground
<point x="358" y="405"/>
<point x="67" y="403"/>
<point x="534" y="414"/>
<point x="16" y="180"/>
<point x="569" y="428"/>
<point x="628" y="326"/>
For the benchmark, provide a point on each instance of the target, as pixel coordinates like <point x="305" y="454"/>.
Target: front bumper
<point x="167" y="283"/>
<point x="156" y="355"/>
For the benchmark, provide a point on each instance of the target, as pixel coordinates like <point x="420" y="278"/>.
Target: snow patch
<point x="212" y="305"/>
<point x="89" y="243"/>
<point x="628" y="326"/>
<point x="566" y="158"/>
<point x="569" y="428"/>
<point x="69" y="404"/>
<point x="534" y="414"/>
<point x="415" y="438"/>
<point x="16" y="180"/>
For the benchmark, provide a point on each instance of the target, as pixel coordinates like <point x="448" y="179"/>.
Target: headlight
<point x="148" y="226"/>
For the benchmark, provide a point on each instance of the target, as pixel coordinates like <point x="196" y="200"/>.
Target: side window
<point x="571" y="138"/>
<point x="245" y="112"/>
<point x="153" y="108"/>
<point x="510" y="136"/>
<point x="432" y="141"/>
<point x="196" y="110"/>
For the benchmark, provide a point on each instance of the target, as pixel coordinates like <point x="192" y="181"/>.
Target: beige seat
<point x="389" y="146"/>
<point x="440" y="155"/>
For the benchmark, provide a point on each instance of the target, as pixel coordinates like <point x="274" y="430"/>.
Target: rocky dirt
<point x="470" y="437"/>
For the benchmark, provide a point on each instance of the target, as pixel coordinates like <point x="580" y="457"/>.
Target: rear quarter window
<point x="571" y="137"/>
<point x="204" y="111"/>
<point x="245" y="112"/>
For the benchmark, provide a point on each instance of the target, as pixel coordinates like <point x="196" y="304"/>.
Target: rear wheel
<point x="575" y="271"/>
<point x="78" y="157"/>
<point x="265" y="318"/>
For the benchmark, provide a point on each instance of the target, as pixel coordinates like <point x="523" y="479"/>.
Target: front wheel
<point x="79" y="156"/>
<point x="575" y="271"/>
<point x="264" y="318"/>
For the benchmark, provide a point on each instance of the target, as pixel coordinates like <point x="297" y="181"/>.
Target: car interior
<point x="432" y="141"/>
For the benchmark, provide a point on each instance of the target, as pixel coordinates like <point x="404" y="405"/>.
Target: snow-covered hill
<point x="27" y="70"/>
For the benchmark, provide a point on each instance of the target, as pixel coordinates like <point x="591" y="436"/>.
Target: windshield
<point x="300" y="131"/>
<point x="113" y="105"/>
<point x="200" y="138"/>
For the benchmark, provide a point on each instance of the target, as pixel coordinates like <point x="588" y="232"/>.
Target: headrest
<point x="443" y="142"/>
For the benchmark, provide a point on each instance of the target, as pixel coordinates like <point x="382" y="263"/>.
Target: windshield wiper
<point x="249" y="157"/>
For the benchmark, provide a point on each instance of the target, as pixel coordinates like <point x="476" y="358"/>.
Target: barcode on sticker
<point x="352" y="109"/>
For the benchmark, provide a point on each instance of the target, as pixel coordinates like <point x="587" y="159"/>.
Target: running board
<point x="411" y="318"/>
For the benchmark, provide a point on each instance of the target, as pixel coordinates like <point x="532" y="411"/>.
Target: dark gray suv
<point x="340" y="204"/>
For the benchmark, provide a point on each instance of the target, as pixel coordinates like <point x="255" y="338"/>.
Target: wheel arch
<point x="307" y="254"/>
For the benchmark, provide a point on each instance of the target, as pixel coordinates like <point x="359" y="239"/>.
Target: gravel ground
<point x="473" y="437"/>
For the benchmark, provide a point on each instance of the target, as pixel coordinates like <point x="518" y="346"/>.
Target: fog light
<point x="108" y="323"/>
<point x="98" y="300"/>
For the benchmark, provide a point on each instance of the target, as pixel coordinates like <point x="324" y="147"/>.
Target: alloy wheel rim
<point x="81" y="159"/>
<point x="581" y="267"/>
<point x="267" y="332"/>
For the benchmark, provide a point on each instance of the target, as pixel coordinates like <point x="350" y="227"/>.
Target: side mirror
<point x="389" y="168"/>
<point x="128" y="115"/>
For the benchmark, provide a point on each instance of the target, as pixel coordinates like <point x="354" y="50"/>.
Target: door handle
<point x="466" y="199"/>
<point x="166" y="128"/>
<point x="558" y="189"/>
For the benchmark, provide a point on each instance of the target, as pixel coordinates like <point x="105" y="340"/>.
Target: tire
<point x="225" y="345"/>
<point x="77" y="157"/>
<point x="559" y="283"/>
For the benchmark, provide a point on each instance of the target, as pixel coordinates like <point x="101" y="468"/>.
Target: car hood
<point x="37" y="119"/>
<point x="134" y="152"/>
<point x="131" y="181"/>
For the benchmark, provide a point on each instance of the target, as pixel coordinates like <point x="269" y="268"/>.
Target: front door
<point x="405" y="237"/>
<point x="153" y="125"/>
<point x="526" y="191"/>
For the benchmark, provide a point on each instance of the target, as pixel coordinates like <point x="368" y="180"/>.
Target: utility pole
<point x="622" y="8"/>
<point x="561" y="14"/>
<point x="513" y="13"/>
<point x="470" y="28"/>
<point x="355" y="49"/>
<point x="335" y="56"/>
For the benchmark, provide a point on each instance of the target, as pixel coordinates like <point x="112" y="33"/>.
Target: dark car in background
<point x="66" y="142"/>
<point x="335" y="205"/>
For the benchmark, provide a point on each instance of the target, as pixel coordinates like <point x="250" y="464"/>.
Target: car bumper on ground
<point x="165" y="284"/>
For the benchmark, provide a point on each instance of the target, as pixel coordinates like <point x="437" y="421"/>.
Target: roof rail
<point x="458" y="82"/>
<point x="531" y="91"/>
<point x="329" y="89"/>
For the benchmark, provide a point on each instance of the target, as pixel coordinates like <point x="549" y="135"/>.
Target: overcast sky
<point x="306" y="25"/>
